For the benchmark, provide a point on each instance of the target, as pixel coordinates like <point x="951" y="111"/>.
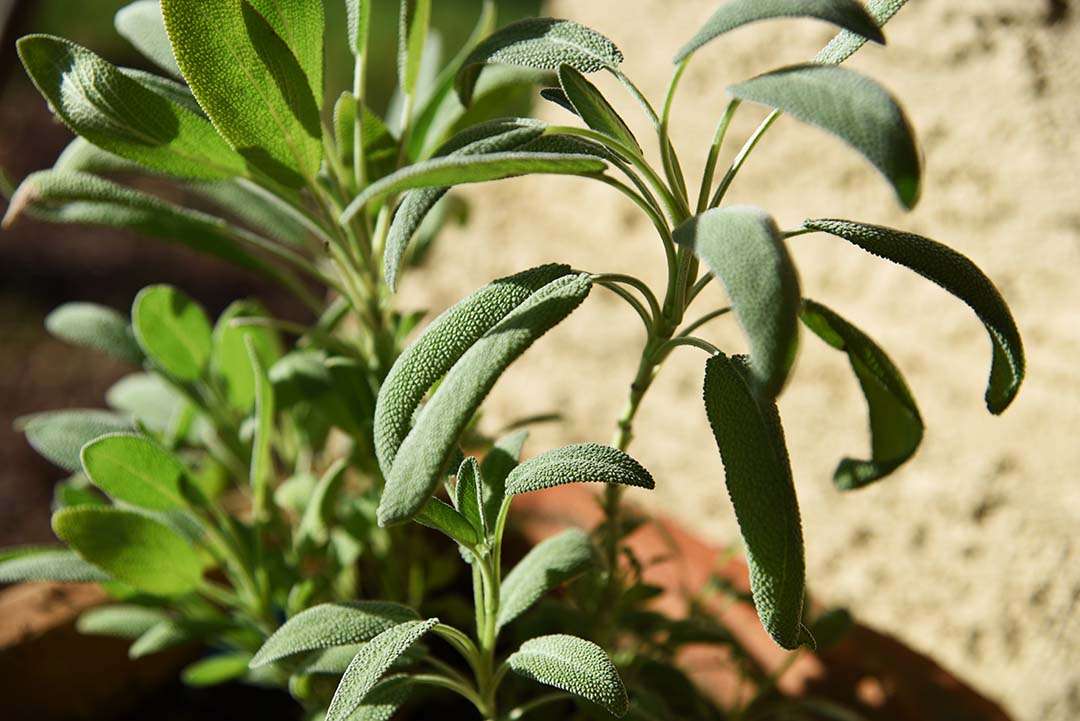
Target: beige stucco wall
<point x="968" y="553"/>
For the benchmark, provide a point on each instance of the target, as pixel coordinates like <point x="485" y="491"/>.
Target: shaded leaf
<point x="173" y="331"/>
<point x="18" y="565"/>
<point x="442" y="517"/>
<point x="60" y="435"/>
<point x="155" y="405"/>
<point x="549" y="564"/>
<point x="141" y="24"/>
<point x="846" y="43"/>
<point x="468" y="495"/>
<point x="579" y="463"/>
<point x="588" y="103"/>
<point x="574" y="665"/>
<point x="496" y="467"/>
<point x="135" y="470"/>
<point x="229" y="361"/>
<point x="95" y="326"/>
<point x="414" y="20"/>
<point x="319" y="512"/>
<point x="302" y="26"/>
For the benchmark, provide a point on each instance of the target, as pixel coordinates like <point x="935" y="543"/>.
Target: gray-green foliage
<point x="847" y="43"/>
<point x="141" y="24"/>
<point x="580" y="463"/>
<point x="548" y="565"/>
<point x="95" y="326"/>
<point x="574" y="665"/>
<point x="173" y="331"/>
<point x="120" y="620"/>
<point x="60" y="435"/>
<point x="46" y="564"/>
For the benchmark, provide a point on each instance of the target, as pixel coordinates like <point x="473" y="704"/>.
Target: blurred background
<point x="969" y="553"/>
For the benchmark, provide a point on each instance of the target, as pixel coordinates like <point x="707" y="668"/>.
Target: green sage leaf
<point x="579" y="463"/>
<point x="414" y="21"/>
<point x="503" y="457"/>
<point x="319" y="511"/>
<point x="120" y="621"/>
<point x="590" y="104"/>
<point x="131" y="548"/>
<point x="743" y="247"/>
<point x="217" y="669"/>
<point x="141" y="24"/>
<point x="468" y="495"/>
<point x="60" y="435"/>
<point x="262" y="462"/>
<point x="955" y="273"/>
<point x="443" y="517"/>
<point x="758" y="474"/>
<point x="95" y="326"/>
<point x="383" y="701"/>
<point x="230" y="364"/>
<point x="135" y="470"/>
<point x="574" y="665"/>
<point x="302" y="26"/>
<point x="896" y="428"/>
<point x="358" y="14"/>
<point x="157" y="406"/>
<point x="852" y="107"/>
<point x="171" y="633"/>
<point x="849" y="15"/>
<point x="19" y="565"/>
<point x="550" y="563"/>
<point x="846" y="43"/>
<point x="173" y="331"/>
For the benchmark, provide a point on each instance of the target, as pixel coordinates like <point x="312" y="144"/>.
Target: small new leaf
<point x="468" y="495"/>
<point x="574" y="665"/>
<point x="580" y="463"/>
<point x="173" y="331"/>
<point x="135" y="470"/>
<point x="548" y="565"/>
<point x="217" y="669"/>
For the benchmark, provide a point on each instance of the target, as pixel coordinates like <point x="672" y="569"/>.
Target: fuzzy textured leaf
<point x="443" y="517"/>
<point x="173" y="331"/>
<point x="135" y="470"/>
<point x="852" y="107"/>
<point x="95" y="326"/>
<point x="369" y="665"/>
<point x="579" y="463"/>
<point x="955" y="273"/>
<point x="60" y="435"/>
<point x="896" y="428"/>
<point x="849" y="15"/>
<point x="141" y="24"/>
<point x="358" y="17"/>
<point x="419" y="464"/>
<point x="548" y="565"/>
<point x="468" y="494"/>
<point x="758" y="474"/>
<point x="542" y="44"/>
<point x="414" y="20"/>
<point x="383" y="701"/>
<point x="590" y="104"/>
<point x="120" y="621"/>
<point x="503" y="457"/>
<point x="131" y="548"/>
<point x="574" y="665"/>
<point x="18" y="565"/>
<point x="847" y="43"/>
<point x="116" y="112"/>
<point x="743" y="247"/>
<point x="332" y="624"/>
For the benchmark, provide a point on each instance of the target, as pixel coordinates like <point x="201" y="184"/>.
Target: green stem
<point x="431" y="679"/>
<point x="702" y="321"/>
<point x="714" y="154"/>
<point x="740" y="159"/>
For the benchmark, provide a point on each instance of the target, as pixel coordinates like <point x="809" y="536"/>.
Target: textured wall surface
<point x="968" y="553"/>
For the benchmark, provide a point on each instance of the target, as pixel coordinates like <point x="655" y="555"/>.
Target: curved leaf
<point x="847" y="14"/>
<point x="751" y="442"/>
<point x="18" y="565"/>
<point x="262" y="463"/>
<point x="589" y="103"/>
<point x="173" y="331"/>
<point x="955" y="273"/>
<point x="141" y="24"/>
<point x="135" y="470"/>
<point x="171" y="633"/>
<point x="743" y="247"/>
<point x="852" y="107"/>
<point x="301" y="25"/>
<point x="120" y="620"/>
<point x="895" y="424"/>
<point x="574" y="665"/>
<point x="60" y="435"/>
<point x="846" y="43"/>
<point x="542" y="44"/>
<point x="131" y="548"/>
<point x="469" y="495"/>
<point x="414" y="21"/>
<point x="319" y="511"/>
<point x="418" y="466"/>
<point x="369" y="665"/>
<point x="155" y="405"/>
<point x="331" y="624"/>
<point x="443" y="517"/>
<point x="95" y="326"/>
<point x="579" y="463"/>
<point x="217" y="669"/>
<point x="115" y="111"/>
<point x="549" y="564"/>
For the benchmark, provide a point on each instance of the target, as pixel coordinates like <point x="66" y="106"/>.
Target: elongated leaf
<point x="358" y="14"/>
<point x="60" y="435"/>
<point x="846" y="43"/>
<point x="172" y="90"/>
<point x="496" y="467"/>
<point x="369" y="665"/>
<point x="229" y="360"/>
<point x="301" y="25"/>
<point x="758" y="474"/>
<point x="135" y="470"/>
<point x="383" y="701"/>
<point x="217" y="669"/>
<point x="255" y="209"/>
<point x="116" y="112"/>
<point x="171" y="633"/>
<point x="120" y="620"/>
<point x="440" y="346"/>
<point x="548" y="565"/>
<point x="380" y="146"/>
<point x="463" y="169"/>
<point x="319" y="512"/>
<point x="82" y="156"/>
<point x="131" y="548"/>
<point x="579" y="463"/>
<point x="852" y="107"/>
<point x="155" y="405"/>
<point x="442" y="517"/>
<point x="496" y="136"/>
<point x="468" y="495"/>
<point x="141" y="24"/>
<point x="173" y="331"/>
<point x="248" y="80"/>
<point x="95" y="326"/>
<point x="413" y="24"/>
<point x="66" y="197"/>
<point x="849" y="15"/>
<point x="542" y="44"/>
<point x="896" y="427"/>
<point x="574" y="665"/>
<point x="958" y="275"/>
<point x="262" y="463"/>
<point x="743" y="247"/>
<point x="332" y="624"/>
<point x="418" y="466"/>
<point x="18" y="565"/>
<point x="588" y="102"/>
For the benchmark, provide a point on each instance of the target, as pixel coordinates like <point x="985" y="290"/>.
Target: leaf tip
<point x="25" y="196"/>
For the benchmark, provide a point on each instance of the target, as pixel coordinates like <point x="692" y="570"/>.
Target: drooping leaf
<point x="464" y="169"/>
<point x="896" y="428"/>
<point x="82" y="156"/>
<point x="548" y="565"/>
<point x="542" y="44"/>
<point x="132" y="548"/>
<point x="60" y="435"/>
<point x="115" y="111"/>
<point x="574" y="665"/>
<point x="440" y="346"/>
<point x="229" y="361"/>
<point x="248" y="80"/>
<point x="419" y="464"/>
<point x="852" y="107"/>
<point x="135" y="470"/>
<point x="18" y="565"/>
<point x="849" y="15"/>
<point x="743" y="247"/>
<point x="217" y="669"/>
<point x="141" y="24"/>
<point x="369" y="665"/>
<point x="443" y="517"/>
<point x="255" y="209"/>
<point x="590" y="104"/>
<point x="468" y="495"/>
<point x="579" y="463"/>
<point x="358" y="14"/>
<point x="95" y="326"/>
<point x="332" y="624"/>
<point x="413" y="23"/>
<point x="958" y="275"/>
<point x="173" y="331"/>
<point x="758" y="474"/>
<point x="120" y="620"/>
<point x="846" y="43"/>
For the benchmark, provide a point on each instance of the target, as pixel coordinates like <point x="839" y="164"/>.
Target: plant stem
<point x="740" y="159"/>
<point x="714" y="154"/>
